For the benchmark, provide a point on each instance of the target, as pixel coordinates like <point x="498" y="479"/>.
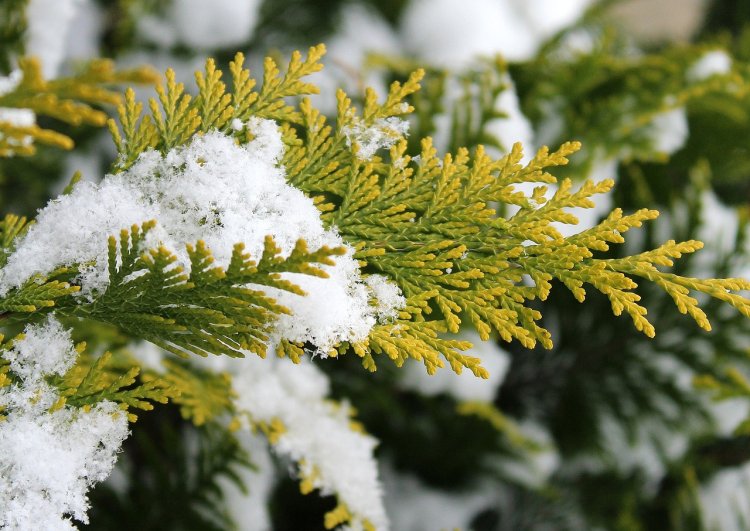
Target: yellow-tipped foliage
<point x="72" y="100"/>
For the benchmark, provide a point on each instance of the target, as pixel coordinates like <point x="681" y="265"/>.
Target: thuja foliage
<point x="427" y="224"/>
<point x="464" y="246"/>
<point x="69" y="100"/>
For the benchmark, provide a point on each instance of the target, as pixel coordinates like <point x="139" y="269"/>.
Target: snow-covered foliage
<point x="319" y="435"/>
<point x="249" y="507"/>
<point x="418" y="507"/>
<point x="50" y="455"/>
<point x="381" y="135"/>
<point x="451" y="35"/>
<point x="725" y="500"/>
<point x="668" y="131"/>
<point x="220" y="192"/>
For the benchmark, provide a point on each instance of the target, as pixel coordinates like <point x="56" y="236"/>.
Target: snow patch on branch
<point x="383" y="134"/>
<point x="318" y="433"/>
<point x="220" y="192"/>
<point x="713" y="63"/>
<point x="49" y="457"/>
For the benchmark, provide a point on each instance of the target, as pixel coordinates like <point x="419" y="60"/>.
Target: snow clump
<point x="50" y="458"/>
<point x="317" y="433"/>
<point x="715" y="62"/>
<point x="383" y="134"/>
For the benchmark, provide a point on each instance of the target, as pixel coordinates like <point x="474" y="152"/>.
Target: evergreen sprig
<point x="70" y="100"/>
<point x="208" y="310"/>
<point x="176" y="116"/>
<point x="439" y="227"/>
<point x="95" y="379"/>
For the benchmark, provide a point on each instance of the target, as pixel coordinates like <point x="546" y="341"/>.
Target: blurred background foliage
<point x="608" y="430"/>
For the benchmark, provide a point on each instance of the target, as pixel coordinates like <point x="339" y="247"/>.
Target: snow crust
<point x="222" y="193"/>
<point x="49" y="459"/>
<point x="318" y="433"/>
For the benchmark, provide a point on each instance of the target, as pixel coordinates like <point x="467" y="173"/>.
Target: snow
<point x="712" y="63"/>
<point x="10" y="82"/>
<point x="43" y="351"/>
<point x="17" y="117"/>
<point x="48" y="23"/>
<point x="382" y="134"/>
<point x="668" y="131"/>
<point x="464" y="386"/>
<point x="387" y="296"/>
<point x="318" y="434"/>
<point x="450" y="35"/>
<point x="202" y="25"/>
<point x="89" y="22"/>
<point x="725" y="499"/>
<point x="547" y="17"/>
<point x="249" y="510"/>
<point x="49" y="457"/>
<point x="514" y="127"/>
<point x="14" y="116"/>
<point x="219" y="192"/>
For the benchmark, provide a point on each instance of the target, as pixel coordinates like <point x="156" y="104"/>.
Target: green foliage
<point x="472" y="108"/>
<point x="35" y="294"/>
<point x="11" y="227"/>
<point x="38" y="292"/>
<point x="186" y="479"/>
<point x="608" y="97"/>
<point x="207" y="311"/>
<point x="176" y="117"/>
<point x="95" y="379"/>
<point x="12" y="28"/>
<point x="69" y="100"/>
<point x="426" y="224"/>
<point x="202" y="396"/>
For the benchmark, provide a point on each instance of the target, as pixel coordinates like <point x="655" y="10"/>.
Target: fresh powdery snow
<point x="220" y="192"/>
<point x="383" y="134"/>
<point x="50" y="458"/>
<point x="317" y="433"/>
